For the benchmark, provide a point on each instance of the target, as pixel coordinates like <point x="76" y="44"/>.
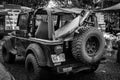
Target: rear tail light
<point x="58" y="49"/>
<point x="59" y="56"/>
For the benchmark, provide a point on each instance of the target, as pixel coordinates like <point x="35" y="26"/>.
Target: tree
<point x="108" y="3"/>
<point x="82" y="3"/>
<point x="29" y="3"/>
<point x="65" y="3"/>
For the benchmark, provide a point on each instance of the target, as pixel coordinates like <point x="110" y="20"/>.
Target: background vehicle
<point x="7" y="22"/>
<point x="8" y="18"/>
<point x="2" y="23"/>
<point x="59" y="40"/>
<point x="113" y="26"/>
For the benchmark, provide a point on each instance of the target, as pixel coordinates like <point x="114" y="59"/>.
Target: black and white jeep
<point x="62" y="40"/>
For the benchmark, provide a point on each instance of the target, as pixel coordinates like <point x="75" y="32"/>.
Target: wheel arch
<point x="39" y="53"/>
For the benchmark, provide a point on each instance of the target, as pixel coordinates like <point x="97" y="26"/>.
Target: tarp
<point x="3" y="12"/>
<point x="61" y="10"/>
<point x="115" y="7"/>
<point x="12" y="6"/>
<point x="1" y="6"/>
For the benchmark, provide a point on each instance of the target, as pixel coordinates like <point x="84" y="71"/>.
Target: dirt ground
<point x="108" y="70"/>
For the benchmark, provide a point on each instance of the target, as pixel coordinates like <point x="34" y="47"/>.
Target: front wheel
<point x="8" y="57"/>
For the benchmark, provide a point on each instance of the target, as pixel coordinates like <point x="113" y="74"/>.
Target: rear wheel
<point x="35" y="72"/>
<point x="8" y="57"/>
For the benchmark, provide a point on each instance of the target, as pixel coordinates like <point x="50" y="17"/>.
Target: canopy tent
<point x="13" y="6"/>
<point x="3" y="12"/>
<point x="112" y="8"/>
<point x="60" y="10"/>
<point x="1" y="6"/>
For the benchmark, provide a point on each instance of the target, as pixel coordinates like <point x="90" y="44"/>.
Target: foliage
<point x="63" y="3"/>
<point x="29" y="3"/>
<point x="81" y="3"/>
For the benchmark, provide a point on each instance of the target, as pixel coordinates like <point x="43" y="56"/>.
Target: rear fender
<point x="38" y="52"/>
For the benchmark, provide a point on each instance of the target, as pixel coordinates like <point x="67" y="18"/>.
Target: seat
<point x="42" y="31"/>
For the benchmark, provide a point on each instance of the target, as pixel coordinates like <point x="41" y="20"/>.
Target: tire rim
<point x="92" y="46"/>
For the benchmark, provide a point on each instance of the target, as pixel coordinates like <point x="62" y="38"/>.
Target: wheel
<point x="118" y="56"/>
<point x="35" y="72"/>
<point x="8" y="57"/>
<point x="88" y="46"/>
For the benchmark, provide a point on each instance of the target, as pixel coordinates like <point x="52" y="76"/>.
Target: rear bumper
<point x="72" y="68"/>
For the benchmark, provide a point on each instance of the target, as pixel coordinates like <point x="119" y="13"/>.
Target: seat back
<point x="42" y="31"/>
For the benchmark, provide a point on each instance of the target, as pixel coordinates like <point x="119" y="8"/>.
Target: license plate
<point x="58" y="58"/>
<point x="67" y="69"/>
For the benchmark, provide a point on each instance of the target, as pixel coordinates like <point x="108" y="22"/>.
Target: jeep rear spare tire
<point x="88" y="46"/>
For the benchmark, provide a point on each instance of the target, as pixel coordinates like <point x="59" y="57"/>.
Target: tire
<point x="1" y="37"/>
<point x="35" y="72"/>
<point x="88" y="46"/>
<point x="8" y="57"/>
<point x="118" y="56"/>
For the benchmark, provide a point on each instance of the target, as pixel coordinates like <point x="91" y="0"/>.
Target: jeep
<point x="58" y="40"/>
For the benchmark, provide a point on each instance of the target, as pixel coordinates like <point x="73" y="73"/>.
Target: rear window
<point x="23" y="20"/>
<point x="66" y="19"/>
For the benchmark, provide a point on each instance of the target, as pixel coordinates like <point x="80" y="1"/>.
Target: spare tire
<point x="88" y="46"/>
